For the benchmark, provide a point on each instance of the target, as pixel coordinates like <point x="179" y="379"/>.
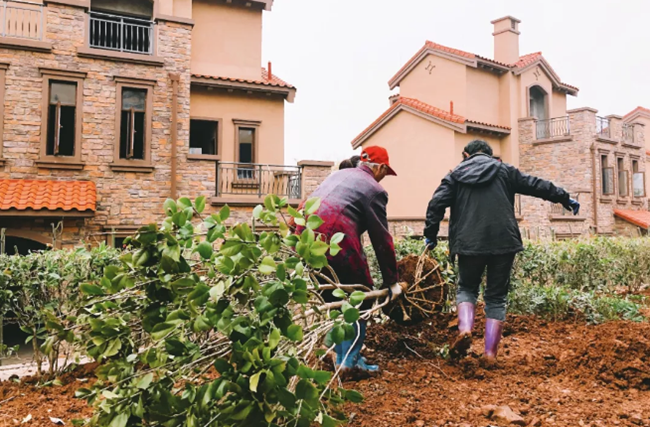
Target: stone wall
<point x="574" y="163"/>
<point x="313" y="173"/>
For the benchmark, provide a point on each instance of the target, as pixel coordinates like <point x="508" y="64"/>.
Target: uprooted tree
<point x="187" y="335"/>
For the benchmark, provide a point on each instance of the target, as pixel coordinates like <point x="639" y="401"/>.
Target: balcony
<point x="121" y="34"/>
<point x="603" y="128"/>
<point x="555" y="128"/>
<point x="250" y="181"/>
<point x="22" y="20"/>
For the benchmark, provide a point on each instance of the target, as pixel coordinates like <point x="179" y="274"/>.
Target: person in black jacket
<point x="484" y="233"/>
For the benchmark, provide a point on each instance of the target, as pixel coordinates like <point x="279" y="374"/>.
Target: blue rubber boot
<point x="341" y="352"/>
<point x="361" y="361"/>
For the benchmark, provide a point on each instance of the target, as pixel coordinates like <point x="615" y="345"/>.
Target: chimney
<point x="451" y="107"/>
<point x="506" y="39"/>
<point x="270" y="76"/>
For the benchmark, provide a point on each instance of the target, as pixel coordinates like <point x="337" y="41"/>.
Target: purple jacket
<point x="352" y="202"/>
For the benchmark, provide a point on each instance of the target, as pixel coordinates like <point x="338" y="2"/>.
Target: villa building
<point x="110" y="107"/>
<point x="518" y="104"/>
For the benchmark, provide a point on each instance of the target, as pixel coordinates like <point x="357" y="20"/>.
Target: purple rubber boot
<point x="493" y="330"/>
<point x="466" y="311"/>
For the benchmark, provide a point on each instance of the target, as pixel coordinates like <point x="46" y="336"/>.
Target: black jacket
<point x="481" y="193"/>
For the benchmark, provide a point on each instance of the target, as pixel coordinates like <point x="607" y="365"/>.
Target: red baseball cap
<point x="377" y="155"/>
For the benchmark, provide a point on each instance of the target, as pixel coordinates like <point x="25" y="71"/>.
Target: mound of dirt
<point x="426" y="294"/>
<point x="618" y="355"/>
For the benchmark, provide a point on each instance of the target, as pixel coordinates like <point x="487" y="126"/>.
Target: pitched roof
<point x="639" y="109"/>
<point x="474" y="60"/>
<point x="265" y="79"/>
<point x="24" y="194"/>
<point x="412" y="104"/>
<point x="638" y="218"/>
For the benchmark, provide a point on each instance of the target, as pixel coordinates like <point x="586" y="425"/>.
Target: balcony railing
<point x="603" y="127"/>
<point x="628" y="133"/>
<point x="553" y="128"/>
<point x="258" y="180"/>
<point x="121" y="33"/>
<point x="558" y="210"/>
<point x="22" y="19"/>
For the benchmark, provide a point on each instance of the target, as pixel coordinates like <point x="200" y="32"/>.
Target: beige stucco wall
<point x="446" y="82"/>
<point x="228" y="106"/>
<point x="226" y="40"/>
<point x="483" y="101"/>
<point x="558" y="104"/>
<point x="462" y="139"/>
<point x="421" y="152"/>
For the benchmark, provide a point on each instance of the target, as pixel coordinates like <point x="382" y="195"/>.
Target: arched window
<point x="537" y="99"/>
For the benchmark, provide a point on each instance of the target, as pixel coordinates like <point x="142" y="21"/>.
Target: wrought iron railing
<point x="22" y="19"/>
<point x="121" y="33"/>
<point x="603" y="127"/>
<point x="553" y="128"/>
<point x="559" y="210"/>
<point x="628" y="133"/>
<point x="258" y="180"/>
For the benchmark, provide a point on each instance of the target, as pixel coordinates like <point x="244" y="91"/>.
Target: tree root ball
<point x="426" y="294"/>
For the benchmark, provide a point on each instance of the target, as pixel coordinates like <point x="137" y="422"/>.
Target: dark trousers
<point x="471" y="269"/>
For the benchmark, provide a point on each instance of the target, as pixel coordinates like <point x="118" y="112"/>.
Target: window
<point x="132" y="133"/>
<point x="61" y="116"/>
<point x="204" y="139"/>
<point x="134" y="99"/>
<point x="246" y="134"/>
<point x="638" y="180"/>
<point x="622" y="177"/>
<point x="62" y="119"/>
<point x="607" y="178"/>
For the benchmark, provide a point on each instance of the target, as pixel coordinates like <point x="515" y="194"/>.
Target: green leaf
<point x="294" y="333"/>
<point x="312" y="205"/>
<point x="334" y="314"/>
<point x="338" y="334"/>
<point x="90" y="289"/>
<point x="314" y="222"/>
<point x="199" y="204"/>
<point x="113" y="347"/>
<point x="307" y="237"/>
<point x="82" y="392"/>
<point x="274" y="338"/>
<point x="179" y="218"/>
<point x="351" y="315"/>
<point x="161" y="330"/>
<point x="119" y="420"/>
<point x="224" y="213"/>
<point x="170" y="207"/>
<point x="330" y="422"/>
<point x="357" y="298"/>
<point x="222" y="366"/>
<point x="205" y="250"/>
<point x="322" y="377"/>
<point x="267" y="266"/>
<point x="353" y="396"/>
<point x="257" y="212"/>
<point x="254" y="381"/>
<point x="337" y="238"/>
<point x="279" y="297"/>
<point x="294" y="213"/>
<point x="306" y="391"/>
<point x="231" y="248"/>
<point x="319" y="248"/>
<point x="339" y="293"/>
<point x="184" y="203"/>
<point x="334" y="249"/>
<point x="145" y="381"/>
<point x="269" y="203"/>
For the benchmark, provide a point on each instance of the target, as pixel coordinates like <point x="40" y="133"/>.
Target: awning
<point x="638" y="218"/>
<point x="25" y="197"/>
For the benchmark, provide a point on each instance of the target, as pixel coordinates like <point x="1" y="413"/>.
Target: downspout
<point x="174" y="78"/>
<point x="595" y="185"/>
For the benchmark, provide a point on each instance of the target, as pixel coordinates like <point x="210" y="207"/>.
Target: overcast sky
<point x="340" y="55"/>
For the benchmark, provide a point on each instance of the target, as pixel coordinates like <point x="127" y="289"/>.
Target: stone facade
<point x="575" y="162"/>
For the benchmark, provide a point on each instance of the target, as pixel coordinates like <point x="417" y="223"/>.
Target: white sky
<point x="340" y="55"/>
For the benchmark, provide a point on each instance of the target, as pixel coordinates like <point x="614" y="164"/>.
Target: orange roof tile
<point x="23" y="194"/>
<point x="265" y="80"/>
<point x="402" y="101"/>
<point x="638" y="218"/>
<point x="527" y="59"/>
<point x="637" y="109"/>
<point x="488" y="124"/>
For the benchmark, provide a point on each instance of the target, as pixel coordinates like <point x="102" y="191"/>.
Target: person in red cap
<point x="353" y="202"/>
